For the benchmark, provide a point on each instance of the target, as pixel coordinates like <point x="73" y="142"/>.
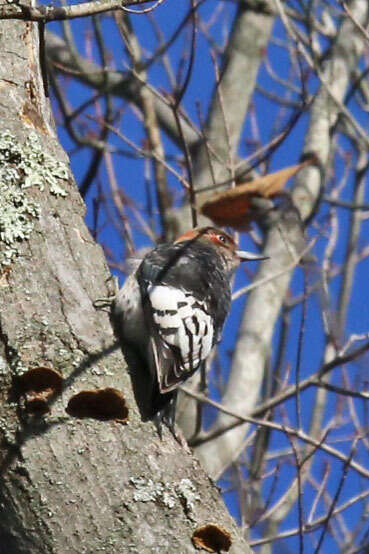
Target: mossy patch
<point x="23" y="166"/>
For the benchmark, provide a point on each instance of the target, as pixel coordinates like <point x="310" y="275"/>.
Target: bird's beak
<point x="249" y="256"/>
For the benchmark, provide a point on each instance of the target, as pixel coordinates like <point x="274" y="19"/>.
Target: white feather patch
<point x="183" y="323"/>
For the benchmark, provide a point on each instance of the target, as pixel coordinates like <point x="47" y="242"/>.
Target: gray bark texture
<point x="67" y="484"/>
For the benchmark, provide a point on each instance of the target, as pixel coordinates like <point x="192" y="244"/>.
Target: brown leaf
<point x="212" y="538"/>
<point x="101" y="404"/>
<point x="233" y="207"/>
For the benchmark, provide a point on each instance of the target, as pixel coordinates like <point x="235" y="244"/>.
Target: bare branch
<point x="61" y="13"/>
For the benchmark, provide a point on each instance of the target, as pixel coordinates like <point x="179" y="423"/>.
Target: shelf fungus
<point x="102" y="404"/>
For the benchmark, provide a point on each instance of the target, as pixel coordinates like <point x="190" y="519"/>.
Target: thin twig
<point x="361" y="470"/>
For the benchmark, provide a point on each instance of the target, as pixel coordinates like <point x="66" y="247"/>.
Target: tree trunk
<point x="71" y="484"/>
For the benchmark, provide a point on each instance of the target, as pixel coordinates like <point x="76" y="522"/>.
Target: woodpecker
<point x="171" y="310"/>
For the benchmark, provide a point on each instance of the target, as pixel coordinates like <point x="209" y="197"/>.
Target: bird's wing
<point x="183" y="334"/>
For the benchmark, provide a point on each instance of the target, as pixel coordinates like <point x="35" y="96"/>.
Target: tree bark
<point x="68" y="484"/>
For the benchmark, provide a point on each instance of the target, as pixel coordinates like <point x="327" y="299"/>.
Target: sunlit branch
<point x="61" y="13"/>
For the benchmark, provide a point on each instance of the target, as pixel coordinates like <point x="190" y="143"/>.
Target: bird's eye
<point x="222" y="239"/>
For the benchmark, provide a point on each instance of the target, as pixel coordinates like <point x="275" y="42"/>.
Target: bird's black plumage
<point x="192" y="266"/>
<point x="198" y="270"/>
<point x="170" y="313"/>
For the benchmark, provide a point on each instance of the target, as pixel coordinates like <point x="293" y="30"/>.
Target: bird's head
<point x="222" y="243"/>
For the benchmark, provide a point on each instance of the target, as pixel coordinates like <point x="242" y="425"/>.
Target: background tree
<point x="162" y="110"/>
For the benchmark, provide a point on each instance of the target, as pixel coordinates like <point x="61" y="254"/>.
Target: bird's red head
<point x="221" y="241"/>
<point x="216" y="236"/>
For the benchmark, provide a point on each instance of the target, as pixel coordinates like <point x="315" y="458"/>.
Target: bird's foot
<point x="167" y="416"/>
<point x="107" y="301"/>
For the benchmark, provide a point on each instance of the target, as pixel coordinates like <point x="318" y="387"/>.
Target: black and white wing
<point x="183" y="334"/>
<point x="185" y="299"/>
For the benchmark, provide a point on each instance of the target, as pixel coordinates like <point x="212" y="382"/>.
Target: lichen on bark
<point x="23" y="166"/>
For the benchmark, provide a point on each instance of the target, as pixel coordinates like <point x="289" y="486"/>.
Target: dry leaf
<point x="232" y="207"/>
